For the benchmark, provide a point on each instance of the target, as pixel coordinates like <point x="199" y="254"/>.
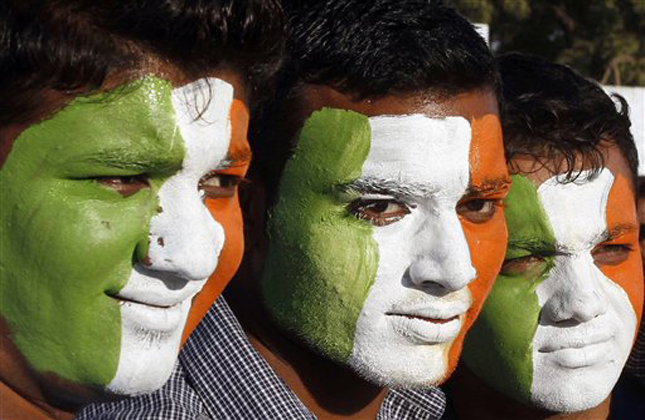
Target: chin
<point x="401" y="366"/>
<point x="148" y="355"/>
<point x="576" y="390"/>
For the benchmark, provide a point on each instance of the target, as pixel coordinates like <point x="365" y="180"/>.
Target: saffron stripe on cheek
<point x="621" y="210"/>
<point x="228" y="213"/>
<point x="486" y="241"/>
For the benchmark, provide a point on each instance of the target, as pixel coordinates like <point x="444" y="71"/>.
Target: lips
<point x="155" y="301"/>
<point x="424" y="330"/>
<point x="579" y="351"/>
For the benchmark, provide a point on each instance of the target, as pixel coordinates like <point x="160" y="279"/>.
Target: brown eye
<point x="477" y="210"/>
<point x="610" y="254"/>
<point x="125" y="185"/>
<point x="379" y="212"/>
<point x="219" y="185"/>
<point x="522" y="265"/>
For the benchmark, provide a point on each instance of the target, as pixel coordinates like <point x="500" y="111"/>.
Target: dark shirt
<point x="219" y="375"/>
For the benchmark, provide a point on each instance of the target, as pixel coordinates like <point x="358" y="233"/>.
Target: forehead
<point x="413" y="149"/>
<point x="416" y="124"/>
<point x="470" y="105"/>
<point x="540" y="172"/>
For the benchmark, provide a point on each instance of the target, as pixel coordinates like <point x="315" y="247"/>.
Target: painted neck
<point x="472" y="399"/>
<point x="328" y="390"/>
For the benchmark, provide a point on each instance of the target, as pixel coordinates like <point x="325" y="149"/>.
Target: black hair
<point x="553" y="114"/>
<point x="368" y="50"/>
<point x="67" y="45"/>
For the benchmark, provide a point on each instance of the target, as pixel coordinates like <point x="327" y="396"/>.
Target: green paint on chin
<point x="498" y="348"/>
<point x="322" y="260"/>
<point x="66" y="239"/>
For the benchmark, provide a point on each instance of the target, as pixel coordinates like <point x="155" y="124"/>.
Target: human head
<point x="391" y="139"/>
<point x="122" y="124"/>
<point x="559" y="323"/>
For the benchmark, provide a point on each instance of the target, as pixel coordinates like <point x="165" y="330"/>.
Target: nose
<point x="576" y="294"/>
<point x="443" y="258"/>
<point x="184" y="238"/>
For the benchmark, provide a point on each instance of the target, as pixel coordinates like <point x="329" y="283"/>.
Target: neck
<point x="473" y="399"/>
<point x="328" y="390"/>
<point x="21" y="397"/>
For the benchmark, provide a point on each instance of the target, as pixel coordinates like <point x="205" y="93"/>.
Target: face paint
<point x="226" y="210"/>
<point x="383" y="289"/>
<point x="558" y="325"/>
<point x="76" y="307"/>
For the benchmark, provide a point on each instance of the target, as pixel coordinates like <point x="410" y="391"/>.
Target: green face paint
<point x="305" y="271"/>
<point x="67" y="240"/>
<point x="498" y="347"/>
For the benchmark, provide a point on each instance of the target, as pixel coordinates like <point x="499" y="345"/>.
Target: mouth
<point x="124" y="300"/>
<point x="576" y="342"/>
<point x="422" y="329"/>
<point x="426" y="319"/>
<point x="580" y="352"/>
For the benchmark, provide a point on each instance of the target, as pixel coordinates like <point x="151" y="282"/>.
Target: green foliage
<point x="603" y="39"/>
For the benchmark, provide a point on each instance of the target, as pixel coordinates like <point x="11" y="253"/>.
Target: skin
<point x="86" y="201"/>
<point x="228" y="213"/>
<point x="499" y="349"/>
<point x="328" y="218"/>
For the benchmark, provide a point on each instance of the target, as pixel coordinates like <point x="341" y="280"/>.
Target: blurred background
<point x="602" y="39"/>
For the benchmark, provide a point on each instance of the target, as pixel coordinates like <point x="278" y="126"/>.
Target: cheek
<point x="228" y="214"/>
<point x="487" y="245"/>
<point x="629" y="274"/>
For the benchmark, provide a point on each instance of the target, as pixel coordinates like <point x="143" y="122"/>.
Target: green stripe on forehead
<point x="498" y="348"/>
<point x="66" y="239"/>
<point x="322" y="260"/>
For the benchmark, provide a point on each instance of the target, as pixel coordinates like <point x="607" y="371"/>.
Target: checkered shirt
<point x="219" y="375"/>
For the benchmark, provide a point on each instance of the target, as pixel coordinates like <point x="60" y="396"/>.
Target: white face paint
<point x="424" y="259"/>
<point x="587" y="322"/>
<point x="185" y="242"/>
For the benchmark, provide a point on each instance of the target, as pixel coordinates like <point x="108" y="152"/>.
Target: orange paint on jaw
<point x="486" y="241"/>
<point x="227" y="212"/>
<point x="621" y="210"/>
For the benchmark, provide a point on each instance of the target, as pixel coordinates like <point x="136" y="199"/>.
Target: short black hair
<point x="552" y="113"/>
<point x="66" y="45"/>
<point x="368" y="50"/>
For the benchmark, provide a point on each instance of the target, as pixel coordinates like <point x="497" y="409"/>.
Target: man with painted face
<point x="121" y="125"/>
<point x="558" y="326"/>
<point x="380" y="171"/>
<point x="384" y="222"/>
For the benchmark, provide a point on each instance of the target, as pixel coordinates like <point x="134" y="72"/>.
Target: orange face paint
<point x="489" y="180"/>
<point x="227" y="212"/>
<point x="621" y="212"/>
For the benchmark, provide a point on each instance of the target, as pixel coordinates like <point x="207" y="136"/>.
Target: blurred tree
<point x="603" y="39"/>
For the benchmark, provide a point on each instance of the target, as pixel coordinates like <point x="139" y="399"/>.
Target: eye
<point x="522" y="265"/>
<point x="478" y="210"/>
<point x="125" y="185"/>
<point x="610" y="254"/>
<point x="215" y="185"/>
<point x="379" y="212"/>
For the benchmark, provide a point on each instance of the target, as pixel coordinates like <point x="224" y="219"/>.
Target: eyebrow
<point x="488" y="186"/>
<point x="238" y="158"/>
<point x="616" y="232"/>
<point x="532" y="244"/>
<point x="126" y="159"/>
<point x="396" y="188"/>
